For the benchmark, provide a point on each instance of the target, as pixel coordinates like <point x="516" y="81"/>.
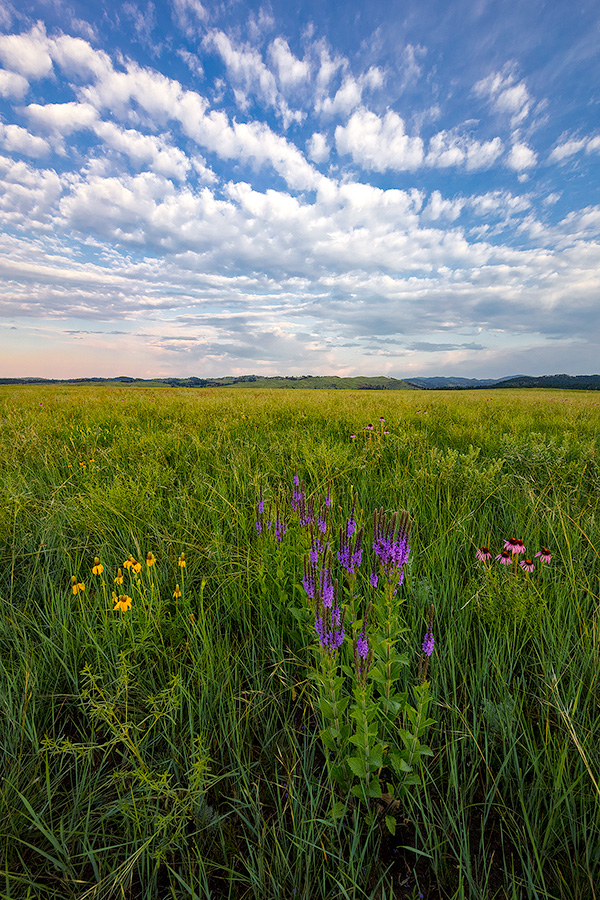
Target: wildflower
<point x="181" y="560"/>
<point x="390" y="543"/>
<point x="544" y="555"/>
<point x="129" y="562"/>
<point x="98" y="568"/>
<point x="369" y="427"/>
<point x="137" y="567"/>
<point x="350" y="551"/>
<point x="261" y="502"/>
<point x="330" y="629"/>
<point x="362" y="645"/>
<point x="381" y="419"/>
<point x="122" y="602"/>
<point x="77" y="585"/>
<point x="483" y="554"/>
<point x="514" y="546"/>
<point x="527" y="565"/>
<point x="119" y="578"/>
<point x="504" y="558"/>
<point x="150" y="559"/>
<point x="280" y="526"/>
<point x="353" y="436"/>
<point x="428" y="642"/>
<point x="374" y="577"/>
<point x="177" y="592"/>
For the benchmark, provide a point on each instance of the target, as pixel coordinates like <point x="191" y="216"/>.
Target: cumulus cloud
<point x="379" y="143"/>
<point x="570" y="146"/>
<point x="62" y="118"/>
<point x="27" y="54"/>
<point x="18" y="140"/>
<point x="506" y="95"/>
<point x="317" y="147"/>
<point x="521" y="157"/>
<point x="451" y="149"/>
<point x="12" y="85"/>
<point x="290" y="70"/>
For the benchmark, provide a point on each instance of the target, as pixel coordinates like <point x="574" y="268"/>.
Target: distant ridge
<point x="335" y="382"/>
<point x="305" y="382"/>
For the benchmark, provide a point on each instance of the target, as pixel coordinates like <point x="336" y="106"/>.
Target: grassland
<point x="173" y="750"/>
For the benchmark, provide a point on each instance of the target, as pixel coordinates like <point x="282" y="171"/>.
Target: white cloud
<point x="27" y="54"/>
<point x="450" y="149"/>
<point x="290" y="70"/>
<point x="62" y="118"/>
<point x="441" y="208"/>
<point x="521" y="157"/>
<point x="12" y="85"/>
<point x="250" y="76"/>
<point x="28" y="195"/>
<point x="379" y="144"/>
<point x="145" y="150"/>
<point x="317" y="147"/>
<point x="189" y="15"/>
<point x="571" y="146"/>
<point x="506" y="96"/>
<point x="18" y="140"/>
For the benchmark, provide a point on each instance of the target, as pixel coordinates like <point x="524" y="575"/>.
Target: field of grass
<point x="174" y="749"/>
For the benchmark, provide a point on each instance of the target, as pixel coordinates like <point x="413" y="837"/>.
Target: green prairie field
<point x="164" y="732"/>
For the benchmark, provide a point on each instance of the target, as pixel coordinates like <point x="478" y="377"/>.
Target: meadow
<point x="164" y="728"/>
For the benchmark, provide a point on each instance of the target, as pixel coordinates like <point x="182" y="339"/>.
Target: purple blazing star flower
<point x="261" y="502"/>
<point x="350" y="551"/>
<point x="258" y="526"/>
<point x="428" y="642"/>
<point x="390" y="542"/>
<point x="374" y="578"/>
<point x="362" y="645"/>
<point x="330" y="629"/>
<point x="280" y="526"/>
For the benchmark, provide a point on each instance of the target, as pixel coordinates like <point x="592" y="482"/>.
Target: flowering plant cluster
<point x="372" y="725"/>
<point x="509" y="556"/>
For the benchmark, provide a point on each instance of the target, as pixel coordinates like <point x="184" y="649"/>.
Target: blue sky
<point x="398" y="188"/>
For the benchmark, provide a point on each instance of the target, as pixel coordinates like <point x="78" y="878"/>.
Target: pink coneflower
<point x="527" y="565"/>
<point x="352" y="436"/>
<point x="504" y="558"/>
<point x="369" y="427"/>
<point x="514" y="545"/>
<point x="544" y="555"/>
<point x="483" y="554"/>
<point x="381" y="419"/>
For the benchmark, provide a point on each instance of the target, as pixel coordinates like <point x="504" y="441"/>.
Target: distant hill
<point x="439" y="382"/>
<point x="305" y="382"/>
<point x="573" y="382"/>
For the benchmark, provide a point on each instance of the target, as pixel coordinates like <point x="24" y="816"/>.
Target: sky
<point x="225" y="188"/>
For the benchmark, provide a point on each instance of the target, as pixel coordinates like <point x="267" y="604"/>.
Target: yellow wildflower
<point x="98" y="567"/>
<point x="181" y="560"/>
<point x="150" y="558"/>
<point x="122" y="602"/>
<point x="77" y="585"/>
<point x="137" y="568"/>
<point x="119" y="578"/>
<point x="129" y="562"/>
<point x="177" y="592"/>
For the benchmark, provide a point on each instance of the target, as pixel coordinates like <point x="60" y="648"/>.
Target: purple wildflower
<point x="350" y="551"/>
<point x="280" y="526"/>
<point x="544" y="555"/>
<point x="374" y="577"/>
<point x="428" y="642"/>
<point x="514" y="546"/>
<point x="258" y="526"/>
<point x="329" y="626"/>
<point x="527" y="565"/>
<point x="390" y="543"/>
<point x="362" y="645"/>
<point x="504" y="558"/>
<point x="261" y="502"/>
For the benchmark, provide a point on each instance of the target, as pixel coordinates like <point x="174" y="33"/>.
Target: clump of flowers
<point x="509" y="556"/>
<point x="77" y="585"/>
<point x="97" y="568"/>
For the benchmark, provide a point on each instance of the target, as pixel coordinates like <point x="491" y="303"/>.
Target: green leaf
<point x="338" y="809"/>
<point x="374" y="789"/>
<point x="390" y="823"/>
<point x="358" y="766"/>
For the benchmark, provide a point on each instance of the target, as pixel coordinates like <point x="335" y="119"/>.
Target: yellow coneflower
<point x="150" y="558"/>
<point x="122" y="602"/>
<point x="119" y="578"/>
<point x="130" y="563"/>
<point x="177" y="592"/>
<point x="181" y="560"/>
<point x="137" y="567"/>
<point x="77" y="585"/>
<point x="98" y="568"/>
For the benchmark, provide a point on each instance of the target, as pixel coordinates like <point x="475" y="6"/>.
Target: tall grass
<point x="172" y="750"/>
